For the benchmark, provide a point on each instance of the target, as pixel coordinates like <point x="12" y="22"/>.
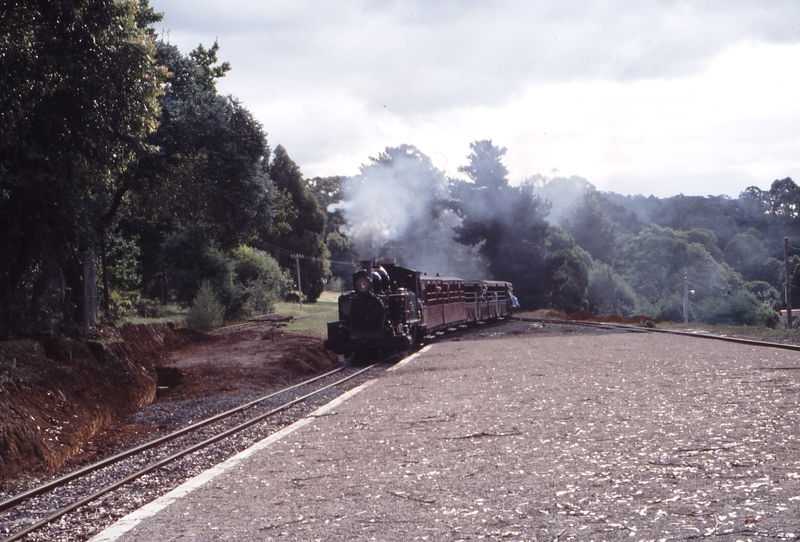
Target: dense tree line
<point x="600" y="251"/>
<point x="116" y="148"/>
<point x="118" y="156"/>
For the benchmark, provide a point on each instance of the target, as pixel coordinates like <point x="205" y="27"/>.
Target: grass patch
<point x="169" y="313"/>
<point x="311" y="318"/>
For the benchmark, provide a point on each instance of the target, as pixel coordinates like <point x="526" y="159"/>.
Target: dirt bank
<point x="56" y="393"/>
<point x="65" y="402"/>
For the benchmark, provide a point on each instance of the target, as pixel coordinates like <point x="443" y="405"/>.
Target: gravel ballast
<point x="534" y="437"/>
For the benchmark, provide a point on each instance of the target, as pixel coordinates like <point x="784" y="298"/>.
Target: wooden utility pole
<point x="685" y="300"/>
<point x="788" y="286"/>
<point x="299" y="283"/>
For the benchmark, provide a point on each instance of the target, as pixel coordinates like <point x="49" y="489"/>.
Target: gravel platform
<point x="547" y="436"/>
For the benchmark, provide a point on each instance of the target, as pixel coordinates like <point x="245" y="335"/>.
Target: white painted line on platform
<point x="409" y="358"/>
<point x="134" y="518"/>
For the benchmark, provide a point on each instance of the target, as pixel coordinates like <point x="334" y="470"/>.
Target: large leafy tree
<point x="305" y="235"/>
<point x="344" y="257"/>
<point x="507" y="224"/>
<point x="78" y="98"/>
<point x="747" y="255"/>
<point x="210" y="173"/>
<point x="593" y="229"/>
<point x="657" y="260"/>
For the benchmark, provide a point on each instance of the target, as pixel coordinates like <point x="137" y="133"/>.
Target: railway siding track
<point x="76" y="505"/>
<point x="641" y="329"/>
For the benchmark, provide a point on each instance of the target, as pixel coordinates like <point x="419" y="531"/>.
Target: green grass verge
<point x="311" y="318"/>
<point x="170" y="313"/>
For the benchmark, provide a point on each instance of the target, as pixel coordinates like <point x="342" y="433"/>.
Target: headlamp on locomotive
<point x="381" y="314"/>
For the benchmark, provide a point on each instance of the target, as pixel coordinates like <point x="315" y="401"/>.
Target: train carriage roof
<point x="432" y="278"/>
<point x="489" y="283"/>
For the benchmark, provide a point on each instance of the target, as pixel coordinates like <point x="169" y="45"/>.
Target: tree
<point x="306" y="221"/>
<point x="592" y="229"/>
<point x="193" y="259"/>
<point x="563" y="193"/>
<point x="329" y="194"/>
<point x="571" y="295"/>
<point x="210" y="173"/>
<point x="749" y="258"/>
<point x="655" y="263"/>
<point x="609" y="293"/>
<point x="784" y="198"/>
<point x="328" y="191"/>
<point x="77" y="102"/>
<point x="508" y="225"/>
<point x="260" y="280"/>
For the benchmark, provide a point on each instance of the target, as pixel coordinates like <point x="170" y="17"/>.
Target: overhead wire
<point x="295" y="254"/>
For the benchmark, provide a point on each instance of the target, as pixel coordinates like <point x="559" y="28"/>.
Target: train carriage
<point x="488" y="299"/>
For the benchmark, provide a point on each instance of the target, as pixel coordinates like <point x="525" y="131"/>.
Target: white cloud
<point x="653" y="97"/>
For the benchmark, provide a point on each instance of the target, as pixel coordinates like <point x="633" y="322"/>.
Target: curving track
<point x="82" y="502"/>
<point x="639" y="329"/>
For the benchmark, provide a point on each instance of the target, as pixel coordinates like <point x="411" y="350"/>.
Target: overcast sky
<point x="645" y="97"/>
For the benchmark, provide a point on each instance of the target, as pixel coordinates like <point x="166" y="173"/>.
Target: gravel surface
<point x="168" y="416"/>
<point x="536" y="436"/>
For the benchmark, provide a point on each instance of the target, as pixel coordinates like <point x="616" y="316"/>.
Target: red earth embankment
<point x="56" y="393"/>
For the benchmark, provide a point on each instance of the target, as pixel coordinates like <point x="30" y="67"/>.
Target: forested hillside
<point x="568" y="246"/>
<point x="127" y="178"/>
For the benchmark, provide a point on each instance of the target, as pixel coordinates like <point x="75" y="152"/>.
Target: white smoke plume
<point x="396" y="207"/>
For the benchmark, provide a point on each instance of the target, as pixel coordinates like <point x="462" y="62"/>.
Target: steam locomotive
<point x="392" y="308"/>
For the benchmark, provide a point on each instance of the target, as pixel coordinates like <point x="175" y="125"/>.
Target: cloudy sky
<point x="646" y="97"/>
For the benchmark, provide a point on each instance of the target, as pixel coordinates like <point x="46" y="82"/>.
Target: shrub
<point x="147" y="308"/>
<point x="191" y="258"/>
<point x="609" y="293"/>
<point x="260" y="297"/>
<point x="336" y="284"/>
<point x="739" y="308"/>
<point x="260" y="283"/>
<point x="207" y="310"/>
<point x="670" y="309"/>
<point x="119" y="306"/>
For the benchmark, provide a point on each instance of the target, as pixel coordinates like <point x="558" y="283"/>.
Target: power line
<point x="258" y="243"/>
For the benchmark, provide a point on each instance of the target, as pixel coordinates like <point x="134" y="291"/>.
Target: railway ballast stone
<point x="532" y="437"/>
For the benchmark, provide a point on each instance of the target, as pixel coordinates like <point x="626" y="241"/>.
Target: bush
<point x="259" y="281"/>
<point x="119" y="306"/>
<point x="336" y="284"/>
<point x="147" y="308"/>
<point x="191" y="258"/>
<point x="739" y="308"/>
<point x="260" y="296"/>
<point x="670" y="309"/>
<point x="207" y="310"/>
<point x="609" y="293"/>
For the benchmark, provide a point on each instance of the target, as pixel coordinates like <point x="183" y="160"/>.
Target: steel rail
<point x="45" y="488"/>
<point x="216" y="438"/>
<point x="636" y="329"/>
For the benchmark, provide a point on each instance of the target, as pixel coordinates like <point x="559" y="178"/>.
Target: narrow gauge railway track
<point x="69" y="508"/>
<point x="639" y="329"/>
